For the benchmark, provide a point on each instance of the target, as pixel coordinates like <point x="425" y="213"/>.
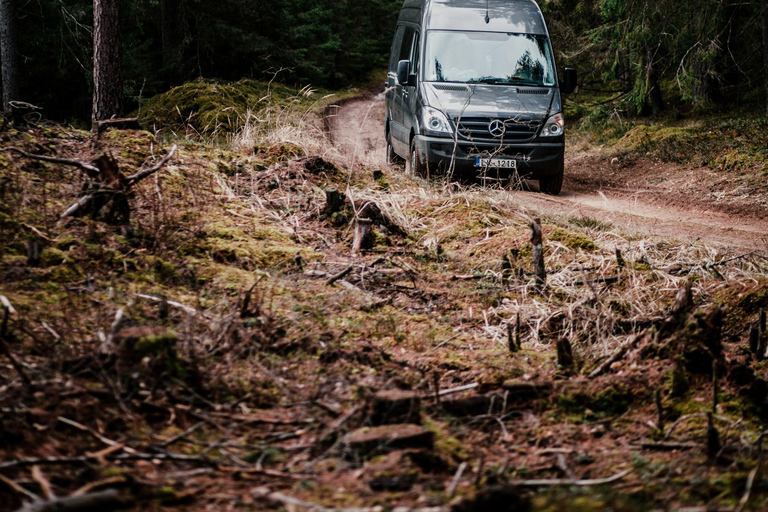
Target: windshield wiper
<point x="487" y="80"/>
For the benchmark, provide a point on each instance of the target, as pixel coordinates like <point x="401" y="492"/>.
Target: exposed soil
<point x="640" y="196"/>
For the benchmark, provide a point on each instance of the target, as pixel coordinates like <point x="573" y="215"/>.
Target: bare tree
<point x="9" y="52"/>
<point x="107" y="60"/>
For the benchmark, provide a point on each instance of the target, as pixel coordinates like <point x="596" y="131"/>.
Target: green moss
<point x="211" y="107"/>
<point x="677" y="384"/>
<point x="573" y="240"/>
<point x="445" y="444"/>
<point x="613" y="400"/>
<point x="52" y="256"/>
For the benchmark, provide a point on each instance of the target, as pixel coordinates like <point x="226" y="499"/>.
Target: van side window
<point x="397" y="44"/>
<point x="405" y="49"/>
<point x="415" y="54"/>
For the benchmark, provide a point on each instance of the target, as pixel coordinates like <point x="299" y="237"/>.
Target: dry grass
<point x="430" y="304"/>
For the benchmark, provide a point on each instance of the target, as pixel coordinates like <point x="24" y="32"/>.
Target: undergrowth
<point x="230" y="322"/>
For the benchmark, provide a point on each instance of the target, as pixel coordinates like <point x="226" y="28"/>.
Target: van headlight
<point x="554" y="127"/>
<point x="435" y="121"/>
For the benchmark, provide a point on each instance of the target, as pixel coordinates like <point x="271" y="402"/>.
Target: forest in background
<point x="644" y="56"/>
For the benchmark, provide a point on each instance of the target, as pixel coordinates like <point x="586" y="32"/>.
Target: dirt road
<point x="643" y="198"/>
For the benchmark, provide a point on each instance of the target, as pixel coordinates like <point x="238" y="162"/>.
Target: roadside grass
<point x="730" y="141"/>
<point x="229" y="257"/>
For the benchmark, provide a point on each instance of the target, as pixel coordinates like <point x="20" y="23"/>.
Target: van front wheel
<point x="552" y="185"/>
<point x="415" y="166"/>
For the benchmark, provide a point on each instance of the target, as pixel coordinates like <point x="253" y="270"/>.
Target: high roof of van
<point x="518" y="16"/>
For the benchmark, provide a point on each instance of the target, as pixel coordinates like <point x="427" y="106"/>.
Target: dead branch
<point x="614" y="358"/>
<point x="83" y="459"/>
<point x="669" y="446"/>
<point x="455" y="481"/>
<point x="97" y="501"/>
<point x="290" y="502"/>
<point x="135" y="178"/>
<point x="91" y="170"/>
<point x="568" y="481"/>
<point x="341" y="275"/>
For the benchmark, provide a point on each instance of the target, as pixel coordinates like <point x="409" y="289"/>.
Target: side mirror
<point x="569" y="84"/>
<point x="404" y="75"/>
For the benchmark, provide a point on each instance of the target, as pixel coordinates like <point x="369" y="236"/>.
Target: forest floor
<point x="226" y="349"/>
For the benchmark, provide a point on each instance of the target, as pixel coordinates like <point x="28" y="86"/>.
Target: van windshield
<point x="488" y="57"/>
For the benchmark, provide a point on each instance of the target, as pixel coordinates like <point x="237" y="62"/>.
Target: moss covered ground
<point x="207" y="336"/>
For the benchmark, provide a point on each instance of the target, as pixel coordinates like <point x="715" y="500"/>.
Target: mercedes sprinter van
<point x="472" y="88"/>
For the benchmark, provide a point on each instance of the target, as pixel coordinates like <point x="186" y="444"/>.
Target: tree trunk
<point x="765" y="50"/>
<point x="169" y="12"/>
<point x="9" y="52"/>
<point x="107" y="60"/>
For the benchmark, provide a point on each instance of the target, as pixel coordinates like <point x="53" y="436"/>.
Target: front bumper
<point x="534" y="160"/>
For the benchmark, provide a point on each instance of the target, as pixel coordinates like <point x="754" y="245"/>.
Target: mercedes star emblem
<point x="497" y="128"/>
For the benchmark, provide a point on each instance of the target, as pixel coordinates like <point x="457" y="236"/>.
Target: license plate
<point x="496" y="163"/>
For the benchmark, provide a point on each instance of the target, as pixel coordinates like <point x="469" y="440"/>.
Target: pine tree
<point x="9" y="52"/>
<point x="107" y="60"/>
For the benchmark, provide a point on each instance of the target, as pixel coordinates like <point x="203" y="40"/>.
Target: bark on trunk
<point x="107" y="60"/>
<point x="765" y="50"/>
<point x="9" y="52"/>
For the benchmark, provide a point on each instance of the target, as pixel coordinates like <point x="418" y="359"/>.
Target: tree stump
<point x="564" y="353"/>
<point x="363" y="235"/>
<point x="334" y="202"/>
<point x="538" y="254"/>
<point x="395" y="406"/>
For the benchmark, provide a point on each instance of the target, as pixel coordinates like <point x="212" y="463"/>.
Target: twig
<point x="184" y="434"/>
<point x="132" y="180"/>
<point x="451" y="391"/>
<point x="82" y="459"/>
<point x="341" y="275"/>
<point x="43" y="482"/>
<point x="748" y="490"/>
<point x="614" y="358"/>
<point x="18" y="489"/>
<point x="95" y="434"/>
<point x="569" y="481"/>
<point x="103" y="500"/>
<point x="666" y="445"/>
<point x="446" y="341"/>
<point x="455" y="482"/>
<point x="188" y="309"/>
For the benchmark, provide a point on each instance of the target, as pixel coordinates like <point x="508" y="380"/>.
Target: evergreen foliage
<point x="653" y="53"/>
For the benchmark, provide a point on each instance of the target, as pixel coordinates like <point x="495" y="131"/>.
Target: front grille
<point x="516" y="129"/>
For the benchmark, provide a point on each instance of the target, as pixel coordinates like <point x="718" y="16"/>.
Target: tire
<point x="552" y="185"/>
<point x="393" y="159"/>
<point x="415" y="166"/>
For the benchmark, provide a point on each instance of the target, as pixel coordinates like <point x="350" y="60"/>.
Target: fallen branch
<point x="135" y="178"/>
<point x="97" y="501"/>
<point x="669" y="446"/>
<point x="569" y="481"/>
<point x="91" y="170"/>
<point x="83" y="459"/>
<point x="341" y="275"/>
<point x="614" y="358"/>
